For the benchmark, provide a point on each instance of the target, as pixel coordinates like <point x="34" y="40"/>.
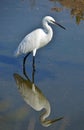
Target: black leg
<point x="24" y="60"/>
<point x="33" y="74"/>
<point x="33" y="63"/>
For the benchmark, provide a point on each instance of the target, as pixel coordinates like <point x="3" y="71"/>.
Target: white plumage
<point x="37" y="38"/>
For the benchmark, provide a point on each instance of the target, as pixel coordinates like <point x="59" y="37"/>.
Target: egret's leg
<point x="33" y="63"/>
<point x="33" y="74"/>
<point x="34" y="53"/>
<point x="24" y="60"/>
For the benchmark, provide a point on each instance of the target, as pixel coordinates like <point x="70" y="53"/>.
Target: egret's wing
<point x="29" y="43"/>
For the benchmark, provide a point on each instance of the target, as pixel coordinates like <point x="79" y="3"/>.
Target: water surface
<point x="59" y="66"/>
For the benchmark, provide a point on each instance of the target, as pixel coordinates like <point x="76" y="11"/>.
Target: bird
<point x="36" y="39"/>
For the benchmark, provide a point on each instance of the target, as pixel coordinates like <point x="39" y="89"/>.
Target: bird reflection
<point x="33" y="96"/>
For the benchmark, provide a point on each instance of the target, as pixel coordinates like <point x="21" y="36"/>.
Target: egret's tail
<point x="16" y="53"/>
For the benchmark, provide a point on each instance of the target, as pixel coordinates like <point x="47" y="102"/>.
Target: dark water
<point x="59" y="66"/>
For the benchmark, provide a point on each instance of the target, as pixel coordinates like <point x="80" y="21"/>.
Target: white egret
<point x="37" y="39"/>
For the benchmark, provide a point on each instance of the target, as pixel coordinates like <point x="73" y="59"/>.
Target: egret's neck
<point x="48" y="30"/>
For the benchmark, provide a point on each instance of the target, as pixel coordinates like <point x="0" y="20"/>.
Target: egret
<point x="36" y="39"/>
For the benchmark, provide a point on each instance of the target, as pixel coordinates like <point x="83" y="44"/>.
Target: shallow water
<point x="59" y="66"/>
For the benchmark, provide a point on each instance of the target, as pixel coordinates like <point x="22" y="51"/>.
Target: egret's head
<point x="51" y="20"/>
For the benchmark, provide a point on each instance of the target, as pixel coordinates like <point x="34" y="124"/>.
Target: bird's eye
<point x="52" y="21"/>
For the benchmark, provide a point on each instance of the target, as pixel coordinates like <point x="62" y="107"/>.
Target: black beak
<point x="59" y="25"/>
